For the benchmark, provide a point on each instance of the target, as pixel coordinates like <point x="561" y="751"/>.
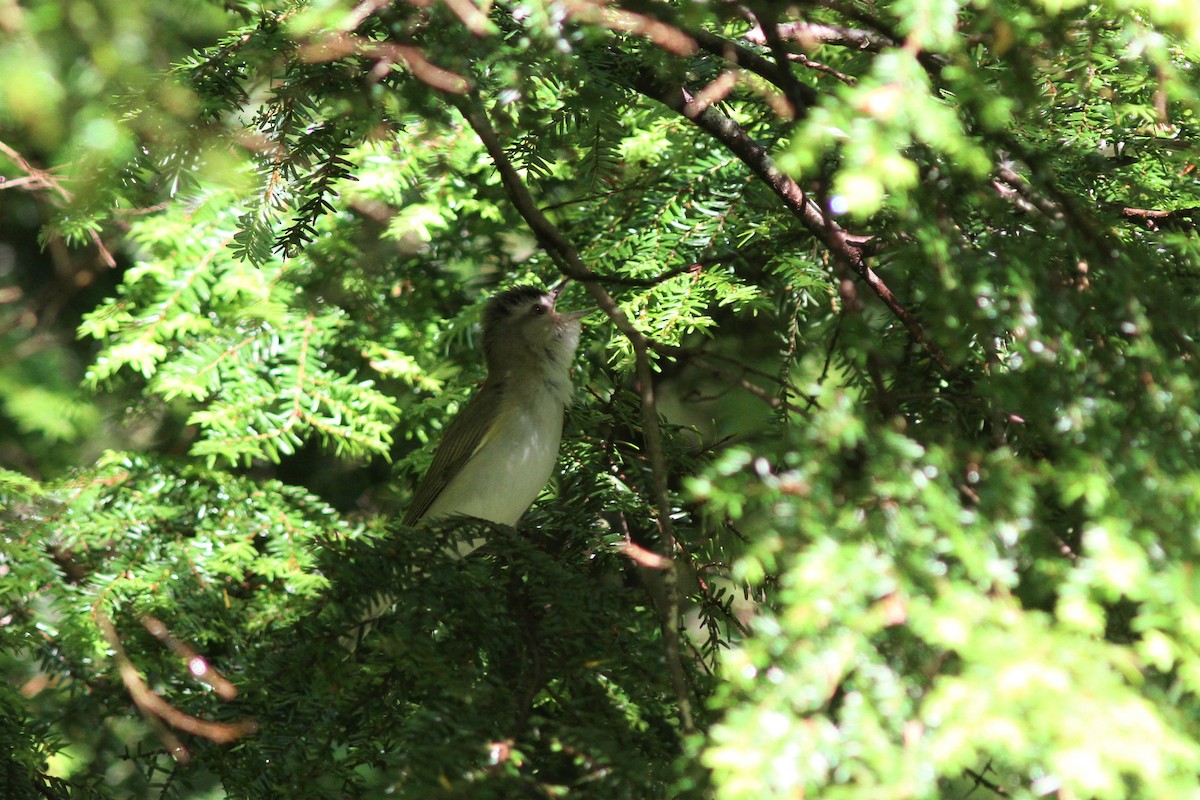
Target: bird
<point x="499" y="451"/>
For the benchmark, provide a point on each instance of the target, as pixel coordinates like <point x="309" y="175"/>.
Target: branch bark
<point x="1152" y="218"/>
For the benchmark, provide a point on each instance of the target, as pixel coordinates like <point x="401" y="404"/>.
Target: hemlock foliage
<point x="916" y="283"/>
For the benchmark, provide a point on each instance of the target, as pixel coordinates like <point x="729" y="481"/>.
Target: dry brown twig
<point x="44" y="180"/>
<point x="663" y="34"/>
<point x="336" y="46"/>
<point x="812" y="34"/>
<point x="157" y="710"/>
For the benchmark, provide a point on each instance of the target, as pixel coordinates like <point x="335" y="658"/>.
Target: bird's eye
<point x="537" y="311"/>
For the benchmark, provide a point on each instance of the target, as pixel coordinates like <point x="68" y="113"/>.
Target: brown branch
<point x="812" y="34"/>
<point x="644" y="557"/>
<point x="338" y="45"/>
<point x="157" y="710"/>
<point x="755" y="156"/>
<point x="796" y="96"/>
<point x="850" y="250"/>
<point x="196" y="664"/>
<point x="795" y="91"/>
<point x="29" y="181"/>
<point x="804" y="60"/>
<point x="800" y="96"/>
<point x="622" y="20"/>
<point x="717" y="90"/>
<point x="43" y="179"/>
<point x="1160" y="213"/>
<point x="1151" y="218"/>
<point x="568" y="260"/>
<point x="1022" y="189"/>
<point x="362" y="12"/>
<point x="1009" y="193"/>
<point x="422" y="68"/>
<point x="475" y="19"/>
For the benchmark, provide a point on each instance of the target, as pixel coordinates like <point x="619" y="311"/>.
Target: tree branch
<point x="795" y="91"/>
<point x="42" y="179"/>
<point x="778" y="73"/>
<point x="155" y="708"/>
<point x="1152" y="218"/>
<point x="1012" y="186"/>
<point x="799" y="95"/>
<point x="848" y="249"/>
<point x="811" y="34"/>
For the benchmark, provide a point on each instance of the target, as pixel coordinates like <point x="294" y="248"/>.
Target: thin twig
<point x="363" y="11"/>
<point x="794" y="90"/>
<point x="1152" y="218"/>
<point x="622" y="20"/>
<point x="1160" y="213"/>
<point x="644" y="557"/>
<point x="818" y="66"/>
<point x="981" y="780"/>
<point x="800" y="96"/>
<point x="32" y="181"/>
<point x="1026" y="192"/>
<point x="43" y="179"/>
<point x="338" y="45"/>
<point x="571" y="264"/>
<point x="197" y="665"/>
<point x="157" y="710"/>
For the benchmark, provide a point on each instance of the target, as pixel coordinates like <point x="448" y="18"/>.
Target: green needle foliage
<point x="883" y="474"/>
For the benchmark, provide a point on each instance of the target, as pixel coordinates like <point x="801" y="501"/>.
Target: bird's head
<point x="521" y="329"/>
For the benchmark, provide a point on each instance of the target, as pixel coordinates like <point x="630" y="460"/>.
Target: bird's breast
<point x="513" y="463"/>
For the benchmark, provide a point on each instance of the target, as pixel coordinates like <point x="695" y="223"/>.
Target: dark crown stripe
<point x="510" y="298"/>
<point x="503" y="304"/>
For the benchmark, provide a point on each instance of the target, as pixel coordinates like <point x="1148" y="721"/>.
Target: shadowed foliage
<point x="881" y="479"/>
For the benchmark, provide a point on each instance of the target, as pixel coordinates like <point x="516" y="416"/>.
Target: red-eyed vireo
<point x="499" y="451"/>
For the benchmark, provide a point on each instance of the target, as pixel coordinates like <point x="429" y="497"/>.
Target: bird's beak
<point x="570" y="316"/>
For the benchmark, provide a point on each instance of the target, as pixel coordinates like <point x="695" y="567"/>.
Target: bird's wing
<point x="469" y="430"/>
